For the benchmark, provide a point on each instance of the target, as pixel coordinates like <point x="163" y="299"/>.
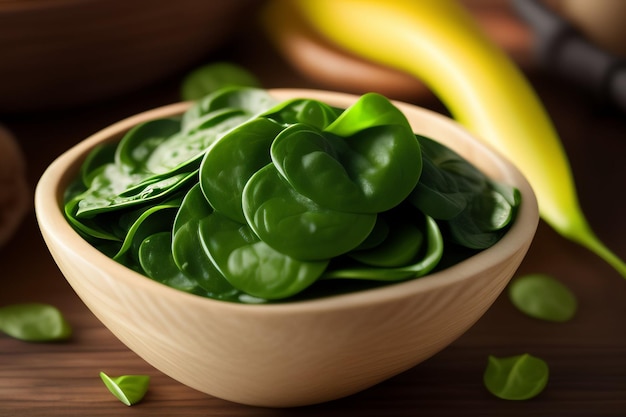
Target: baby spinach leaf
<point x="399" y="248"/>
<point x="229" y="164"/>
<point x="194" y="206"/>
<point x="143" y="223"/>
<point x="34" y="322"/>
<point x="187" y="250"/>
<point x="251" y="265"/>
<point x="309" y="162"/>
<point x="483" y="222"/>
<point x="129" y="389"/>
<point x="477" y="211"/>
<point x="447" y="182"/>
<point x="140" y="142"/>
<point x="368" y="111"/>
<point x="370" y="171"/>
<point x="379" y="233"/>
<point x="423" y="263"/>
<point x="296" y="226"/>
<point x="127" y="192"/>
<point x="312" y="113"/>
<point x="185" y="150"/>
<point x="89" y="228"/>
<point x="517" y="377"/>
<point x="250" y="101"/>
<point x="215" y="76"/>
<point x="155" y="257"/>
<point x="543" y="297"/>
<point x="99" y="157"/>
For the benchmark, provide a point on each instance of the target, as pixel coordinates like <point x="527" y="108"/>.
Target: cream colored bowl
<point x="294" y="353"/>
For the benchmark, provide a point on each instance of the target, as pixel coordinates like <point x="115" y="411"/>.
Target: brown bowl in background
<point x="61" y="53"/>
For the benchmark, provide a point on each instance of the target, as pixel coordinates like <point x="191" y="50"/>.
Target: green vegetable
<point x="403" y="265"/>
<point x="157" y="261"/>
<point x="473" y="208"/>
<point x="543" y="297"/>
<point x="253" y="266"/>
<point x="188" y="253"/>
<point x="34" y="322"/>
<point x="129" y="389"/>
<point x="517" y="377"/>
<point x="212" y="77"/>
<point x="296" y="225"/>
<point x="232" y="161"/>
<point x="247" y="199"/>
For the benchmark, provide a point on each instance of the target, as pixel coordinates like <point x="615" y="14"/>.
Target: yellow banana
<point x="438" y="42"/>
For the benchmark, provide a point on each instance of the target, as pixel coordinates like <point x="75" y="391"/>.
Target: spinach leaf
<point x="215" y="76"/>
<point x="312" y="113"/>
<point x="297" y="226"/>
<point x="229" y="164"/>
<point x="424" y="261"/>
<point x="251" y="102"/>
<point x="129" y="389"/>
<point x="34" y="322"/>
<point x="517" y="377"/>
<point x="155" y="258"/>
<point x="250" y="264"/>
<point x="475" y="210"/>
<point x="543" y="297"/>
<point x="367" y="167"/>
<point x="187" y="247"/>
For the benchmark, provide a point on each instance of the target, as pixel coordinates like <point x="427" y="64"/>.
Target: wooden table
<point x="587" y="356"/>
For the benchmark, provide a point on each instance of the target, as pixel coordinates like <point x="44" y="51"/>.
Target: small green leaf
<point x="399" y="248"/>
<point x="420" y="266"/>
<point x="477" y="211"/>
<point x="230" y="163"/>
<point x="212" y="77"/>
<point x="34" y="322"/>
<point x="249" y="102"/>
<point x="155" y="258"/>
<point x="517" y="377"/>
<point x="187" y="250"/>
<point x="543" y="297"/>
<point x="312" y="113"/>
<point x="129" y="389"/>
<point x="140" y="142"/>
<point x="370" y="110"/>
<point x="141" y="224"/>
<point x="251" y="265"/>
<point x="363" y="171"/>
<point x="296" y="226"/>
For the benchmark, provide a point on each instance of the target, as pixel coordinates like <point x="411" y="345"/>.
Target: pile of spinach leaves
<point x="246" y="198"/>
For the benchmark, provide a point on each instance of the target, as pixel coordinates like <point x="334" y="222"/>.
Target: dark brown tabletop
<point x="587" y="356"/>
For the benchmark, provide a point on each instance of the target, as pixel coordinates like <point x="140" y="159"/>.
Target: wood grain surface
<point x="587" y="356"/>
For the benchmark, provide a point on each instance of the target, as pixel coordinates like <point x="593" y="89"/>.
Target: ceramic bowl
<point x="63" y="53"/>
<point x="294" y="353"/>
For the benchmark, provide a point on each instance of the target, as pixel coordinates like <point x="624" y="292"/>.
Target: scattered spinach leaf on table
<point x="543" y="297"/>
<point x="518" y="377"/>
<point x="34" y="322"/>
<point x="129" y="389"/>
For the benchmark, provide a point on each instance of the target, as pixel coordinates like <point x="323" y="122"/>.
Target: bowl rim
<point x="53" y="182"/>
